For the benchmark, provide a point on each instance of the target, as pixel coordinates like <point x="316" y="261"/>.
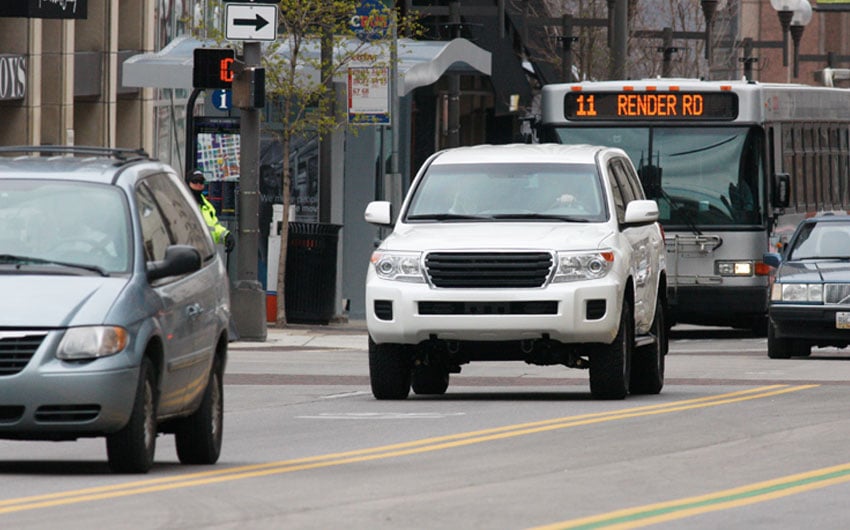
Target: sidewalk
<point x="346" y="335"/>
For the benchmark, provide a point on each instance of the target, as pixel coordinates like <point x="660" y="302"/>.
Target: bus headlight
<point x="398" y="266"/>
<point x="575" y="266"/>
<point x="797" y="292"/>
<point x="733" y="268"/>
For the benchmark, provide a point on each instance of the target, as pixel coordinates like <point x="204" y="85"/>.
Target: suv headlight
<point x="91" y="342"/>
<point x="399" y="266"/>
<point x="797" y="292"/>
<point x="576" y="266"/>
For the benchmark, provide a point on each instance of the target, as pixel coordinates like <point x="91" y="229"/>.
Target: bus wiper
<point x="30" y="260"/>
<point x="686" y="215"/>
<point x="553" y="217"/>
<point x="447" y="217"/>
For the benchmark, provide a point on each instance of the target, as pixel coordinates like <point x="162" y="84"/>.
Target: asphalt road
<point x="735" y="440"/>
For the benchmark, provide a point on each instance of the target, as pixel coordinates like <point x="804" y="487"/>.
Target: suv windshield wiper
<point x="552" y="217"/>
<point x="30" y="260"/>
<point x="447" y="216"/>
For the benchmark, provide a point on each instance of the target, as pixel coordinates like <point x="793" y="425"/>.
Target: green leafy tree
<point x="300" y="78"/>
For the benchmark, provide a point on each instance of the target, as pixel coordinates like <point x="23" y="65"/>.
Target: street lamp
<point x="785" y="9"/>
<point x="802" y="16"/>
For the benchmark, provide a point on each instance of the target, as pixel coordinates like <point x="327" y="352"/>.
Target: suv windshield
<point x="44" y="222"/>
<point x="569" y="192"/>
<point x="706" y="176"/>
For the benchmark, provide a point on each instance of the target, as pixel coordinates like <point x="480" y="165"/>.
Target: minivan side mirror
<point x="179" y="259"/>
<point x="379" y="213"/>
<point x="781" y="190"/>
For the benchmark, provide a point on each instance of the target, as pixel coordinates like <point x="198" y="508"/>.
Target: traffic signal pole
<point x="247" y="295"/>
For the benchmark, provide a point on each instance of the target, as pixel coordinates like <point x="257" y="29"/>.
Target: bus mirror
<point x="781" y="190"/>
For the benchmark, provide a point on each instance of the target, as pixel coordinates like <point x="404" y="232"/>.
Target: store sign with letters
<point x="44" y="8"/>
<point x="13" y="77"/>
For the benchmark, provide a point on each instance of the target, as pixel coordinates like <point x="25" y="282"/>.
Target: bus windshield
<point x="706" y="176"/>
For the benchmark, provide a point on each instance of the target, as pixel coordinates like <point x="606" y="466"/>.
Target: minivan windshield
<point x="508" y="191"/>
<point x="64" y="224"/>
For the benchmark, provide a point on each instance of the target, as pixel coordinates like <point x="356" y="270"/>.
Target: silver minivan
<point x="115" y="307"/>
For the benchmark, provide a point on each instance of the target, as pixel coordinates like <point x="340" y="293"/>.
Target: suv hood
<point x="40" y="301"/>
<point x="471" y="236"/>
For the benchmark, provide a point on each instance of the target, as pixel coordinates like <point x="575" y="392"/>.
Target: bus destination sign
<point x="634" y="105"/>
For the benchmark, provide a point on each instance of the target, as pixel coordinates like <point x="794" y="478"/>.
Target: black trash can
<point x="311" y="272"/>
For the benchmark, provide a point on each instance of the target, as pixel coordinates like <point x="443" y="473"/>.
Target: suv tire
<point x="610" y="365"/>
<point x="430" y="379"/>
<point x="390" y="367"/>
<point x="647" y="375"/>
<point x="198" y="437"/>
<point x="131" y="450"/>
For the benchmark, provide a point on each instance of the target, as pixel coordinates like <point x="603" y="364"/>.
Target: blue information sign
<point x="371" y="20"/>
<point x="222" y="99"/>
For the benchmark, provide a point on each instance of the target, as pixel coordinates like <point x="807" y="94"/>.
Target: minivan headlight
<point x="575" y="266"/>
<point x="91" y="342"/>
<point x="399" y="266"/>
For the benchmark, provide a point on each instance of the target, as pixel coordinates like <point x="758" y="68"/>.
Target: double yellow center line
<point x="381" y="452"/>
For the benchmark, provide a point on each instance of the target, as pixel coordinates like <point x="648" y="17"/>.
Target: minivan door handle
<point x="194" y="310"/>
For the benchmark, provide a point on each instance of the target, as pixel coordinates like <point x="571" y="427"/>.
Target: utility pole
<point x="247" y="296"/>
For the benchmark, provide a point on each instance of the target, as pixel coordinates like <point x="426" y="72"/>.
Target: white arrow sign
<point x="251" y="22"/>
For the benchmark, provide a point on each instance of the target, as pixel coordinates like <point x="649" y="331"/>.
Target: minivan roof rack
<point x="119" y="153"/>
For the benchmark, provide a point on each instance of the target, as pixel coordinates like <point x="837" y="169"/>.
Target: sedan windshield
<point x="64" y="224"/>
<point x="826" y="240"/>
<point x="502" y="192"/>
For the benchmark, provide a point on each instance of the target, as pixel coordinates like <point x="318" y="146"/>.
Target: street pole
<point x="619" y="39"/>
<point x="247" y="296"/>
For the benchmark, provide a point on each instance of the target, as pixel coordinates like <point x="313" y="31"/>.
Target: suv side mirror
<point x="179" y="259"/>
<point x="781" y="190"/>
<point x="641" y="212"/>
<point x="379" y="213"/>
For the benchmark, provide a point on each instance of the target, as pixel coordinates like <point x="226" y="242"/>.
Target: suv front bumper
<point x="573" y="312"/>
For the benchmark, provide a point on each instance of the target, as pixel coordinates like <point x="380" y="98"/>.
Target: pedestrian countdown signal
<point x="212" y="68"/>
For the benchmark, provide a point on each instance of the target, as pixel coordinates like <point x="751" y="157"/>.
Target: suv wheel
<point x="430" y="379"/>
<point x="131" y="449"/>
<point x="610" y="365"/>
<point x="648" y="361"/>
<point x="390" y="367"/>
<point x="785" y="348"/>
<point x="199" y="436"/>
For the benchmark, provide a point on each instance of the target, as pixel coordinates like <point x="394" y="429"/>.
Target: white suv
<point x="548" y="254"/>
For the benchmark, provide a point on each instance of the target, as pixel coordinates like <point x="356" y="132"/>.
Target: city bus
<point x="733" y="166"/>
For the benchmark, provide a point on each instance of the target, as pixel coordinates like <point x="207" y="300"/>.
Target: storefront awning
<point x="421" y="63"/>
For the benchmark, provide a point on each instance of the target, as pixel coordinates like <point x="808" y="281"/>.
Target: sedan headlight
<point x="797" y="292"/>
<point x="91" y="342"/>
<point x="399" y="266"/>
<point x="575" y="266"/>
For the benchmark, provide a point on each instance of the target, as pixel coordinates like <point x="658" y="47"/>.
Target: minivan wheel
<point x="131" y="450"/>
<point x="648" y="361"/>
<point x="198" y="437"/>
<point x="610" y="365"/>
<point x="390" y="367"/>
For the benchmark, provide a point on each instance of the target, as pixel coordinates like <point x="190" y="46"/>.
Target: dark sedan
<point x="810" y="297"/>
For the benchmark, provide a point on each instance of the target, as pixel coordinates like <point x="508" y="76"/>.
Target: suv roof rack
<point x="122" y="154"/>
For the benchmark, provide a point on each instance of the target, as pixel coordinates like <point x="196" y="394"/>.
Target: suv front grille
<point x="488" y="269"/>
<point x="16" y="350"/>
